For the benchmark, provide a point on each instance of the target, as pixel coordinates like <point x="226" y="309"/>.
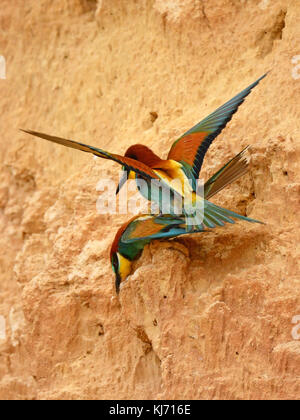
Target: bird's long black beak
<point x="122" y="181"/>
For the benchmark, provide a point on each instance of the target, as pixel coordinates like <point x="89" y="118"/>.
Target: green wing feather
<point x="192" y="146"/>
<point x="146" y="228"/>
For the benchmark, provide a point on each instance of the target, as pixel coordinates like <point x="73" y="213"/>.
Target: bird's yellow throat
<point x="124" y="266"/>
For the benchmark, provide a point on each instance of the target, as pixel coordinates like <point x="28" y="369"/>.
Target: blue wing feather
<point x="216" y="121"/>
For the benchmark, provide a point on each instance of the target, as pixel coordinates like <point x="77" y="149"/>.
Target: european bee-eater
<point x="139" y="231"/>
<point x="183" y="163"/>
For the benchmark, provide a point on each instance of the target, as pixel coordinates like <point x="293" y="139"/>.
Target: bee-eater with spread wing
<point x="183" y="163"/>
<point x="139" y="231"/>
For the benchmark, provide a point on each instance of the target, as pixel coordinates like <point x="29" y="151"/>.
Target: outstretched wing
<point x="146" y="228"/>
<point x="191" y="147"/>
<point x="149" y="227"/>
<point x="128" y="163"/>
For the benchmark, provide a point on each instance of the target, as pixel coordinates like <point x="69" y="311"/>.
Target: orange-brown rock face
<point x="214" y="315"/>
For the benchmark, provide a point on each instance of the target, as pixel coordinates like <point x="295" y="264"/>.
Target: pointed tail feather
<point x="217" y="216"/>
<point x="229" y="173"/>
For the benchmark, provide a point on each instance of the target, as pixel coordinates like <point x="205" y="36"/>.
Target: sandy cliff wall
<point x="208" y="316"/>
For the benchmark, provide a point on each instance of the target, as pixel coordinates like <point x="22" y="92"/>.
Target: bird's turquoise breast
<point x="159" y="194"/>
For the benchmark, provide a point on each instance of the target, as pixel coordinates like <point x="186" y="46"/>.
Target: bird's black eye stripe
<point x="115" y="262"/>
